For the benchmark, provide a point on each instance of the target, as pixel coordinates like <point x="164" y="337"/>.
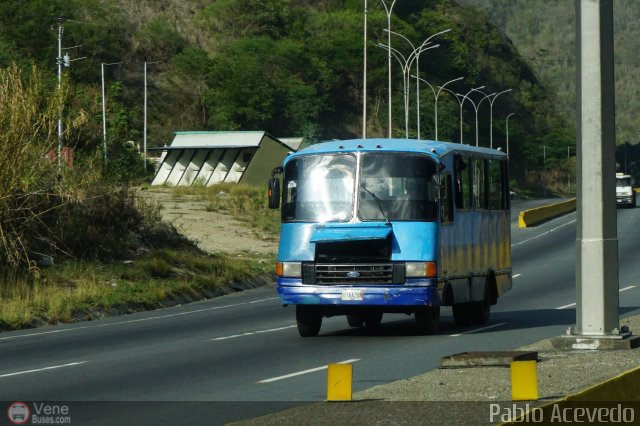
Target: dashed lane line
<point x="251" y="333"/>
<point x="629" y="287"/>
<point x="311" y="370"/>
<point x="475" y="330"/>
<point x="37" y="370"/>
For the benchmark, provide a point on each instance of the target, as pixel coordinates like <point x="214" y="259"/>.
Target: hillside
<point x="544" y="33"/>
<point x="290" y="67"/>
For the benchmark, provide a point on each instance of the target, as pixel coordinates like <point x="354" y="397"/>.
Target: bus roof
<point x="432" y="148"/>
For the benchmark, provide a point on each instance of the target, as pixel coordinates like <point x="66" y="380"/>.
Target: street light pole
<point x="415" y="55"/>
<point x="389" y="10"/>
<point x="104" y="111"/>
<point x="491" y="101"/>
<point x="477" y="107"/>
<point x="364" y="75"/>
<point x="405" y="65"/>
<point x="436" y="103"/>
<point x="507" y="125"/>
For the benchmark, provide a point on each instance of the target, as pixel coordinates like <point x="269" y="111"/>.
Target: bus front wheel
<point x="309" y="320"/>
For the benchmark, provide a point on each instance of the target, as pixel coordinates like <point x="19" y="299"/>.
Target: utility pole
<point x="144" y="132"/>
<point x="597" y="319"/>
<point x="59" y="62"/>
<point x="104" y="112"/>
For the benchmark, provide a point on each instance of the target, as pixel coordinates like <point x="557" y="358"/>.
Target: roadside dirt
<point x="211" y="231"/>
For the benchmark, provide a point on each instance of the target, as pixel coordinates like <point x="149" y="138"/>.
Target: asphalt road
<point x="243" y="350"/>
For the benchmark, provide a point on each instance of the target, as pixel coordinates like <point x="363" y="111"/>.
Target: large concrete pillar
<point x="596" y="240"/>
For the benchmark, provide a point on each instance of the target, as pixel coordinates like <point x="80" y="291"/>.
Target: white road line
<point x="251" y="333"/>
<point x="544" y="233"/>
<point x="179" y="314"/>
<point x="629" y="287"/>
<point x="517" y="275"/>
<point x="311" y="370"/>
<point x="566" y="306"/>
<point x="53" y="367"/>
<point x="479" y="329"/>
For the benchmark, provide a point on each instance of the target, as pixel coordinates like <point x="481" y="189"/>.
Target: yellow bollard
<point x="339" y="382"/>
<point x="524" y="381"/>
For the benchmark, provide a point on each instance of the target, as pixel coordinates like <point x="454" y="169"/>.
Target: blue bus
<point x="375" y="226"/>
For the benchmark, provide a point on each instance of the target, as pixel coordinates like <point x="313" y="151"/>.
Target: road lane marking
<point x="311" y="370"/>
<point x="517" y="275"/>
<point x="475" y="330"/>
<point x="53" y="367"/>
<point x="566" y="306"/>
<point x="544" y="233"/>
<point x="111" y="324"/>
<point x="629" y="287"/>
<point x="251" y="333"/>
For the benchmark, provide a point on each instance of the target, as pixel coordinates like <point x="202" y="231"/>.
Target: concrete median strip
<point x="533" y="217"/>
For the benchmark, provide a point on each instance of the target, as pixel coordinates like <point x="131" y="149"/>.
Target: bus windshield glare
<point x="320" y="188"/>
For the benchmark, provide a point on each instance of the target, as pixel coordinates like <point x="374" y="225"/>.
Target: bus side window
<point x="463" y="184"/>
<point x="479" y="184"/>
<point x="446" y="200"/>
<point x="496" y="185"/>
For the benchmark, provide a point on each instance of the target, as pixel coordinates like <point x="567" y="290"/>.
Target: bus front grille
<point x="353" y="274"/>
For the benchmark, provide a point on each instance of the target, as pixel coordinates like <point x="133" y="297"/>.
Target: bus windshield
<point x="397" y="187"/>
<point x="622" y="182"/>
<point x="319" y="188"/>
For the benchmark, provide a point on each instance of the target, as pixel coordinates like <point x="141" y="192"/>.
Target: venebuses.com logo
<point x="18" y="413"/>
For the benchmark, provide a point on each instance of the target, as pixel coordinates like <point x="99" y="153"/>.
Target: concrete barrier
<point x="533" y="217"/>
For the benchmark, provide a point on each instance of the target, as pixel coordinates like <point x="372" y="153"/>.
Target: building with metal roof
<point x="214" y="157"/>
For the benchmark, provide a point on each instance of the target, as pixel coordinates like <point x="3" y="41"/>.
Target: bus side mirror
<point x="274" y="193"/>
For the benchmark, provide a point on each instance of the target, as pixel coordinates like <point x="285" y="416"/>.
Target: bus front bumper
<point x="415" y="292"/>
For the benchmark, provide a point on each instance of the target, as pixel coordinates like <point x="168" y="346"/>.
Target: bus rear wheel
<point x="309" y="320"/>
<point x="428" y="319"/>
<point x="462" y="313"/>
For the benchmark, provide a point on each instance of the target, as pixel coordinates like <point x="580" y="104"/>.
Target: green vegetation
<point x="73" y="290"/>
<point x="544" y="33"/>
<point x="290" y="67"/>
<point x="109" y="246"/>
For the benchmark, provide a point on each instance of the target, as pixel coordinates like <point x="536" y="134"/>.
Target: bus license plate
<point x="352" y="294"/>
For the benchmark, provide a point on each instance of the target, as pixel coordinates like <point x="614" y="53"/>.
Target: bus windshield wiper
<point x="378" y="201"/>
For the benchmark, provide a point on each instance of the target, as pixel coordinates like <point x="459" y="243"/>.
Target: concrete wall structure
<point x="215" y="157"/>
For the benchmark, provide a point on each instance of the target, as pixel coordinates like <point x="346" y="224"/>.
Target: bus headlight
<point x="289" y="269"/>
<point x="421" y="270"/>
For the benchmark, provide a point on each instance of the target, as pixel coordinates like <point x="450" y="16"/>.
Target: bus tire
<point x="480" y="311"/>
<point x="428" y="319"/>
<point x="309" y="320"/>
<point x="461" y="313"/>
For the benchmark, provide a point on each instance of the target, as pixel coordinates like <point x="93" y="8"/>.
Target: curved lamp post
<point x="507" y="127"/>
<point x="477" y="106"/>
<point x="492" y="98"/>
<point x="405" y="65"/>
<point x="388" y="9"/>
<point x="436" y="95"/>
<point x="415" y="55"/>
